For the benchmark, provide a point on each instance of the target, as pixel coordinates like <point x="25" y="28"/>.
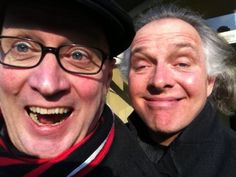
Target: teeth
<point x="45" y="111"/>
<point x="34" y="117"/>
<point x="48" y="115"/>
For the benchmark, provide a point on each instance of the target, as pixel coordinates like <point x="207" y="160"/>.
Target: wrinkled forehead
<point x="171" y="31"/>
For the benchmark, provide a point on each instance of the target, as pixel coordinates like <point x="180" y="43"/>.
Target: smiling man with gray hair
<point x="180" y="75"/>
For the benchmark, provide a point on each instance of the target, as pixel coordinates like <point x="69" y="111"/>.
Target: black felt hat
<point x="117" y="24"/>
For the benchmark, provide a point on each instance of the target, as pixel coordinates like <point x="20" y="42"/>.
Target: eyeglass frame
<point x="55" y="50"/>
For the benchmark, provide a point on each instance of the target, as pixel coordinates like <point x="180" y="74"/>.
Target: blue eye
<point x="77" y="55"/>
<point x="22" y="47"/>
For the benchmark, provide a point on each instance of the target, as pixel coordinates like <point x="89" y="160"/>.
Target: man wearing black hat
<point x="56" y="61"/>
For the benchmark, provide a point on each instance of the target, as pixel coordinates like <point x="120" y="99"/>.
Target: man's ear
<point x="210" y="84"/>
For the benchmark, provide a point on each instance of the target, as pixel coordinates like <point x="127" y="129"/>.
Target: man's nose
<point x="49" y="78"/>
<point x="161" y="77"/>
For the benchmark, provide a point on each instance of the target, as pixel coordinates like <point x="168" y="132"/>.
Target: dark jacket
<point x="204" y="149"/>
<point x="125" y="158"/>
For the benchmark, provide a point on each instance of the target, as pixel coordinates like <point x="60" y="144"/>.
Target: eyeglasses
<point x="74" y="58"/>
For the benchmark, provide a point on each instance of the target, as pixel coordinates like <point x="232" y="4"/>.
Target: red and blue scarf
<point x="77" y="161"/>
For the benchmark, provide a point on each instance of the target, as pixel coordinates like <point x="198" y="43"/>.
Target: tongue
<point x="51" y="119"/>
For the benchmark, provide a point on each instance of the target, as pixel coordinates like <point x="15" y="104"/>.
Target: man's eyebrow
<point x="136" y="49"/>
<point x="139" y="49"/>
<point x="184" y="45"/>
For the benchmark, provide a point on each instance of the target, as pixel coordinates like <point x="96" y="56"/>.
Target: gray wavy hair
<point x="220" y="56"/>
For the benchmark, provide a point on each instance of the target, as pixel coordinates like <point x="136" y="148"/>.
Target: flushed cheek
<point x="89" y="89"/>
<point x="12" y="89"/>
<point x="136" y="93"/>
<point x="137" y="90"/>
<point x="194" y="86"/>
<point x="11" y="84"/>
<point x="137" y="83"/>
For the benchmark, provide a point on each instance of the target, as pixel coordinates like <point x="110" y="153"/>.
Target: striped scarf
<point x="77" y="161"/>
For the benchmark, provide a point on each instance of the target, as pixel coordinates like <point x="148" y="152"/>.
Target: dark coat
<point x="204" y="149"/>
<point x="125" y="158"/>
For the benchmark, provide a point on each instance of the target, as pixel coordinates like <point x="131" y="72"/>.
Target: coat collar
<point x="202" y="128"/>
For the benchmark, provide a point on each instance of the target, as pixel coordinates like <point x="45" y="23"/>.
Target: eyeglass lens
<point x="26" y="53"/>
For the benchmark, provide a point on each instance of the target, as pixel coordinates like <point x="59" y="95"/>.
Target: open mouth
<point x="48" y="116"/>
